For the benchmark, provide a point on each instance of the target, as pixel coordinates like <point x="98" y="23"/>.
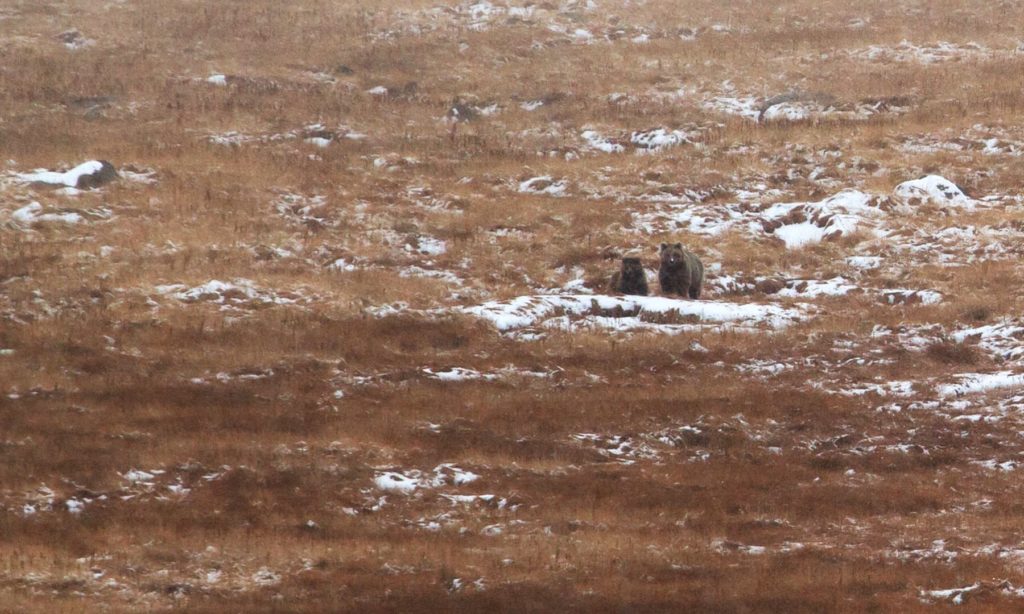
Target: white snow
<point x="837" y="286"/>
<point x="646" y="141"/>
<point x="994" y="465"/>
<point x="596" y="141"/>
<point x="933" y="53"/>
<point x="342" y="265"/>
<point x="319" y="141"/>
<point x="896" y="388"/>
<point x="446" y="276"/>
<point x="723" y="546"/>
<point x="529" y="310"/>
<point x="971" y="383"/>
<point x="408" y="481"/>
<point x="932" y="189"/>
<point x="490" y="109"/>
<point x="1002" y="339"/>
<point x="458" y="476"/>
<point x="266" y="577"/>
<point x="396" y="482"/>
<point x="903" y="296"/>
<point x="214" y="289"/>
<point x="789" y="111"/>
<point x="218" y="79"/>
<point x="623" y="447"/>
<point x="798" y="224"/>
<point x="231" y="139"/>
<point x="659" y="138"/>
<point x="137" y="475"/>
<point x="839" y="214"/>
<point x="482" y="9"/>
<point x="32" y="213"/>
<point x="461" y="374"/>
<point x="955" y="595"/>
<point x="999" y="587"/>
<point x="799" y="235"/>
<point x="239" y="291"/>
<point x="428" y="245"/>
<point x="543" y="185"/>
<point x="67" y="178"/>
<point x="143" y="176"/>
<point x="763" y="367"/>
<point x="864" y="263"/>
<point x="747" y="107"/>
<point x="469" y="499"/>
<point x="457" y="374"/>
<point x="75" y="40"/>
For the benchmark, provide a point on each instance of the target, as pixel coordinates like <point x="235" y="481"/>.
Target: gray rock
<point x="103" y="176"/>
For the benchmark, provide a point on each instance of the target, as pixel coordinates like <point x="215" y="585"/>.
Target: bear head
<point x="672" y="255"/>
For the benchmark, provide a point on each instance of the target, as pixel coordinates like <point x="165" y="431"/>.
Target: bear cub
<point x="631" y="279"/>
<point x="681" y="271"/>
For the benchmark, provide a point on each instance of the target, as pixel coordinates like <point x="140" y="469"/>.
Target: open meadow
<point x="338" y="335"/>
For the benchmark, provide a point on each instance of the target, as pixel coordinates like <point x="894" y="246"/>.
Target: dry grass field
<point x="338" y="336"/>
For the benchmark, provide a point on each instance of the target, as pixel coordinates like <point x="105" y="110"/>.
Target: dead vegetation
<point x="254" y="374"/>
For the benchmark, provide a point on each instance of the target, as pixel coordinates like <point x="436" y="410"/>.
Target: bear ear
<point x="679" y="245"/>
<point x="664" y="246"/>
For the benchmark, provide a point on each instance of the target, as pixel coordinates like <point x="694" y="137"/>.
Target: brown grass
<point x="765" y="490"/>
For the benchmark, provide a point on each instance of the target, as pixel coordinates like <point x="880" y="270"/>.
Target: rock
<point x="770" y="285"/>
<point x="69" y="36"/>
<point x="73" y="39"/>
<point x="462" y="110"/>
<point x="101" y="176"/>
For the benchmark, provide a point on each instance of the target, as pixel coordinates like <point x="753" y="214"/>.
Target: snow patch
<point x="596" y="141"/>
<point x="67" y="178"/>
<point x="747" y="107"/>
<point x="801" y="224"/>
<point x="973" y="383"/>
<point x="229" y="294"/>
<point x="864" y="263"/>
<point x="530" y="310"/>
<point x="543" y="185"/>
<point x="837" y="286"/>
<point x="1002" y="339"/>
<point x="932" y="189"/>
<point x="409" y="481"/>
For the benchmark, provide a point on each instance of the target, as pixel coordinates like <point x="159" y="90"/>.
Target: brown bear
<point x="631" y="279"/>
<point x="681" y="271"/>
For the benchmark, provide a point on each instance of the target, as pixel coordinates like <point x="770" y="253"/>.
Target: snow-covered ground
<point x="627" y="313"/>
<point x="67" y="178"/>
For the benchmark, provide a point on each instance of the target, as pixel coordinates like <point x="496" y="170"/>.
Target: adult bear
<point x="681" y="271"/>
